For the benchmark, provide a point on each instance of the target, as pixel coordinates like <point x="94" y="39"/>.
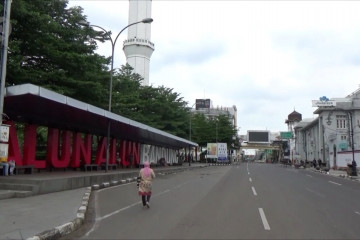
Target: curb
<point x="345" y="176"/>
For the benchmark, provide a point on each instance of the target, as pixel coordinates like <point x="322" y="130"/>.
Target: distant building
<point x="293" y="119"/>
<point x="205" y="107"/>
<point x="334" y="136"/>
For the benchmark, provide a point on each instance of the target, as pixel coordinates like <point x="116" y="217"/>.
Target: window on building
<point x="343" y="137"/>
<point x="341" y="121"/>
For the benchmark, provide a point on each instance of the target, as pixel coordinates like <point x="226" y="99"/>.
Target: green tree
<point x="158" y="107"/>
<point x="49" y="48"/>
<point x="214" y="129"/>
<point x="201" y="129"/>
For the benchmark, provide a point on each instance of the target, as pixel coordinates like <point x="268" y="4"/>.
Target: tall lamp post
<point x="4" y="49"/>
<point x="113" y="42"/>
<point x="190" y="122"/>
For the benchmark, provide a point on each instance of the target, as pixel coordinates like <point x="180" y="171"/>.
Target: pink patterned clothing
<point x="145" y="185"/>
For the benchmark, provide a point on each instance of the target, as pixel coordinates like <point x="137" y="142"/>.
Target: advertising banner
<point x="222" y="152"/>
<point x="4" y="152"/>
<point x="211" y="150"/>
<point x="4" y="133"/>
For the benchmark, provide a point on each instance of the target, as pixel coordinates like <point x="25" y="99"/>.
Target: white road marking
<point x="248" y="173"/>
<point x="254" y="192"/>
<point x="309" y="175"/>
<point x="335" y="183"/>
<point x="117" y="211"/>
<point x="358" y="213"/>
<point x="263" y="219"/>
<point x="316" y="193"/>
<point x="129" y="206"/>
<point x="250" y="179"/>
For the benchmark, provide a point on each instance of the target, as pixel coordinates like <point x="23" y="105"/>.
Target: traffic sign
<point x="286" y="135"/>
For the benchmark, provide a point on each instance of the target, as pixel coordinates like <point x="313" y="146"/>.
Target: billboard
<point x="211" y="150"/>
<point x="222" y="152"/>
<point x="217" y="151"/>
<point x="256" y="136"/>
<point x="202" y="103"/>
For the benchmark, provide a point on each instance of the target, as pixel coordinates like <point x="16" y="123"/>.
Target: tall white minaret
<point x="137" y="47"/>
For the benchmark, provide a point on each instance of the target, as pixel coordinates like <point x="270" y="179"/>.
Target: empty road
<point x="246" y="201"/>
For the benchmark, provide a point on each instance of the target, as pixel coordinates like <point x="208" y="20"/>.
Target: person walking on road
<point x="146" y="176"/>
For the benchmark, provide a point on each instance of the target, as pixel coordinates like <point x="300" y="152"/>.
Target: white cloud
<point x="266" y="57"/>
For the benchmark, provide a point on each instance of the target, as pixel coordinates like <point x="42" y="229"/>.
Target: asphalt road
<point x="255" y="201"/>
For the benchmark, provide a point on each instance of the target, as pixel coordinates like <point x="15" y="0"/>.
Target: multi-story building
<point x="334" y="136"/>
<point x="205" y="107"/>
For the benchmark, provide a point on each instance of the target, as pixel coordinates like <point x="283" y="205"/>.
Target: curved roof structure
<point x="36" y="105"/>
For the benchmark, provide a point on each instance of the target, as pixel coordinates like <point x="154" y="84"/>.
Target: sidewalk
<point x="336" y="173"/>
<point x="23" y="218"/>
<point x="52" y="215"/>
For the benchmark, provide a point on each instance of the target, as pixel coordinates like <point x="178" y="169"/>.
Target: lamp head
<point x="147" y="20"/>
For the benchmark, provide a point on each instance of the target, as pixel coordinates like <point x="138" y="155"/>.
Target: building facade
<point x="334" y="136"/>
<point x="205" y="106"/>
<point x="138" y="48"/>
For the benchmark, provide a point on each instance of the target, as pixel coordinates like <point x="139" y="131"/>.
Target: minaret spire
<point x="138" y="48"/>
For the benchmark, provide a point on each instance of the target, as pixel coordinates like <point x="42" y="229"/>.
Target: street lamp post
<point x="190" y="122"/>
<point x="113" y="42"/>
<point x="4" y="49"/>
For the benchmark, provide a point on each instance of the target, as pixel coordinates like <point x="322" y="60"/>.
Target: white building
<point x="334" y="136"/>
<point x="138" y="48"/>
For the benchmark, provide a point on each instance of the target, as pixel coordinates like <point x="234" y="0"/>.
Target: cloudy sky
<point x="265" y="57"/>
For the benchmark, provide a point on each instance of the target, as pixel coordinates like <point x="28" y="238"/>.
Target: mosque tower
<point x="137" y="47"/>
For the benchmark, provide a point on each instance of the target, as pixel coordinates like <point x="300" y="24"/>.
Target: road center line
<point x="254" y="192"/>
<point x="357" y="213"/>
<point x="335" y="183"/>
<point x="263" y="219"/>
<point x="250" y="179"/>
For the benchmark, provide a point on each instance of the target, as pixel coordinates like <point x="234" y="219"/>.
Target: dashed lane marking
<point x="263" y="219"/>
<point x="254" y="192"/>
<point x="339" y="184"/>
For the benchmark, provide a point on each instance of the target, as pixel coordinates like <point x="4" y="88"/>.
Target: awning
<point x="32" y="104"/>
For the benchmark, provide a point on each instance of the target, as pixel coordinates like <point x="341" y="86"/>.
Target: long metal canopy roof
<point x="36" y="105"/>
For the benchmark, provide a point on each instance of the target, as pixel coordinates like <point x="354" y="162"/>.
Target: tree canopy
<point x="49" y="47"/>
